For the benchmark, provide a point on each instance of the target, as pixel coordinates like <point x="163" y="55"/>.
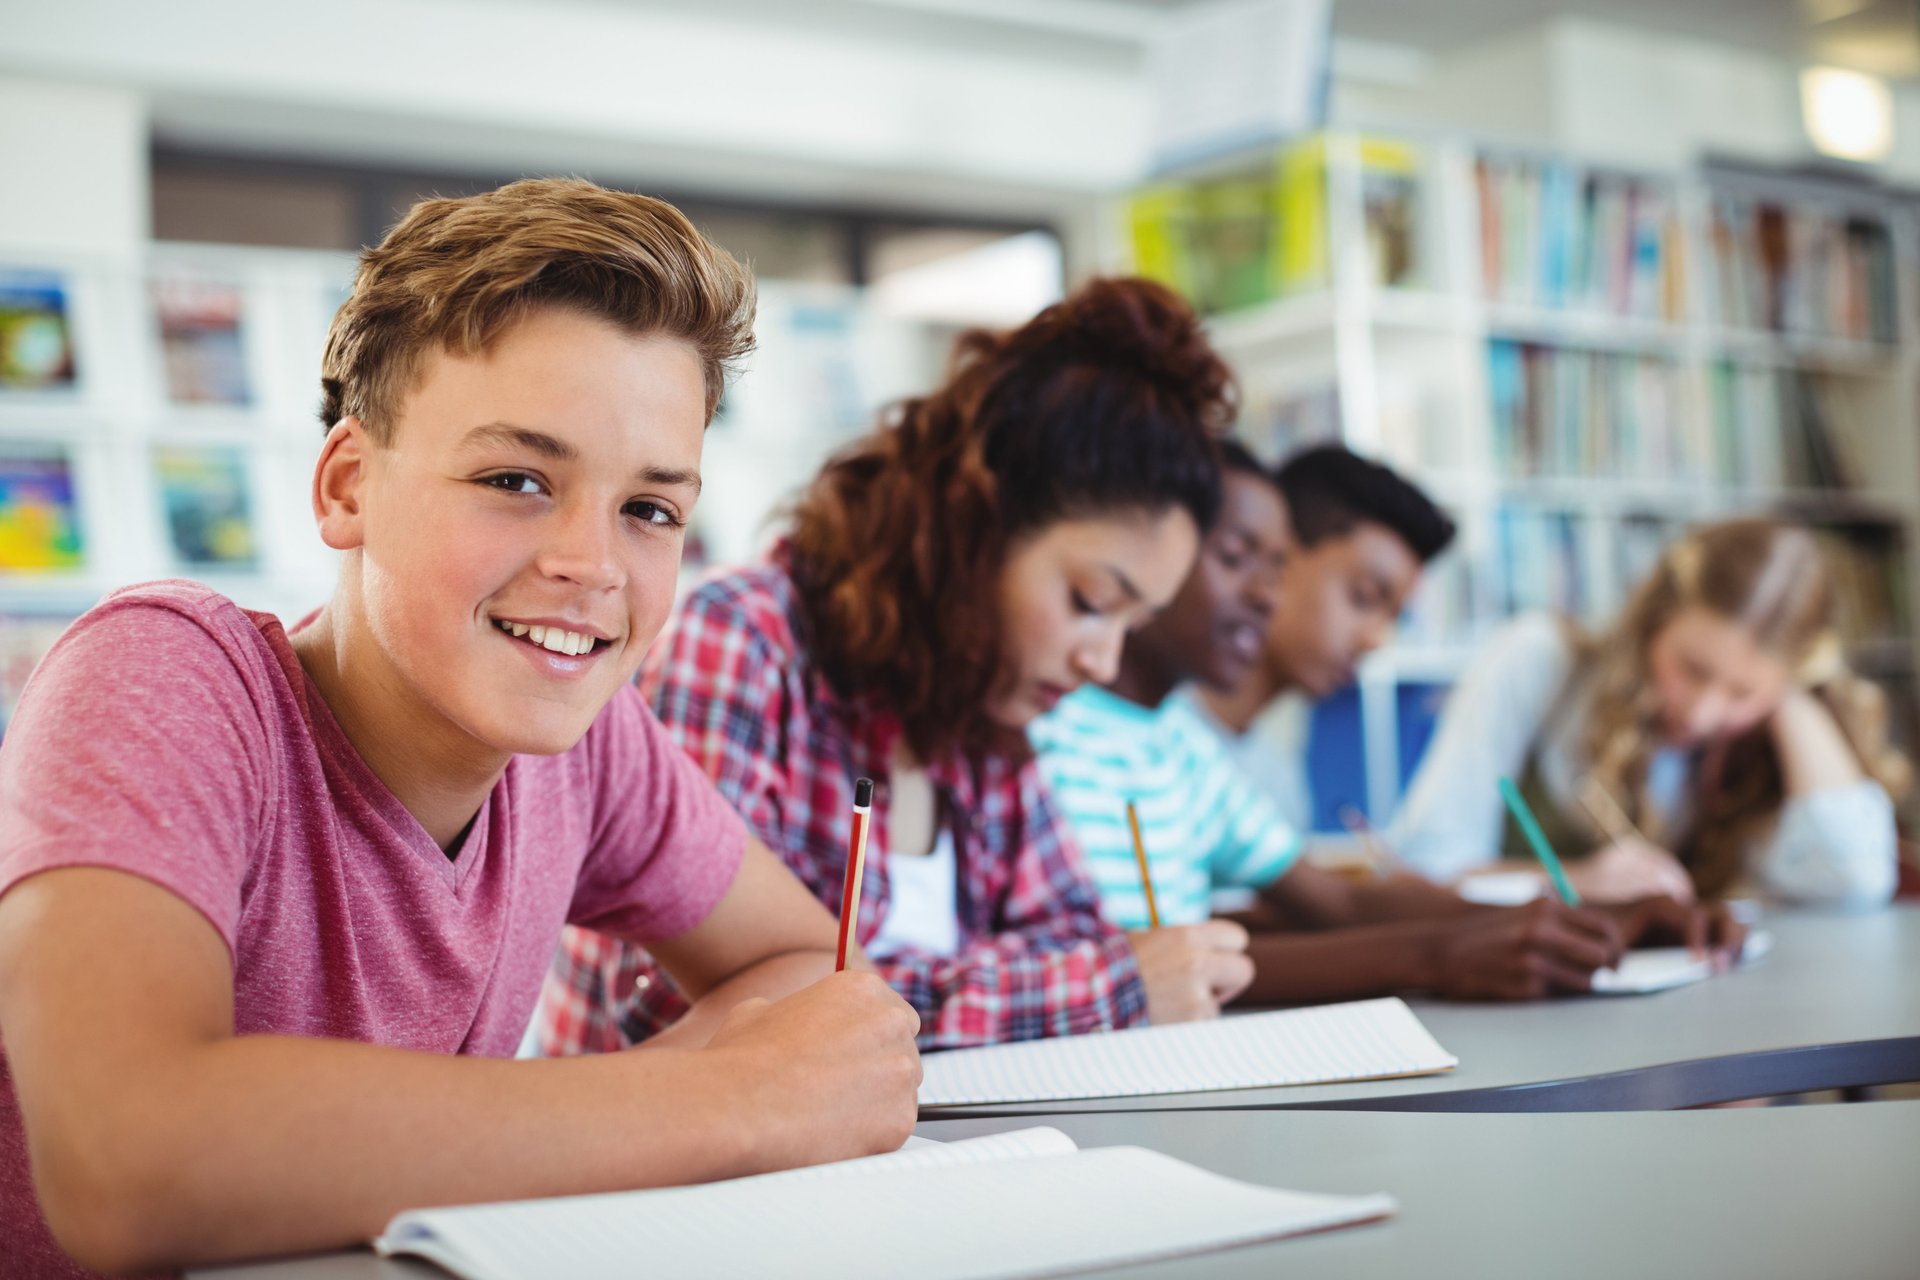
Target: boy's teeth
<point x="553" y="639"/>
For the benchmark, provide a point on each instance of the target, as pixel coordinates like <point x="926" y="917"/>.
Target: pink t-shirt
<point x="171" y="735"/>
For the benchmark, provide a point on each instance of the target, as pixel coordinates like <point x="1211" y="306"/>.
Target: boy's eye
<point x="651" y="513"/>
<point x="512" y="482"/>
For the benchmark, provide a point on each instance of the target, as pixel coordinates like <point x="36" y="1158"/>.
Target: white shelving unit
<point x="1410" y="368"/>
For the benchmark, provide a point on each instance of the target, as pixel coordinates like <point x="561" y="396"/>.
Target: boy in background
<point x="1360" y="537"/>
<point x="274" y="905"/>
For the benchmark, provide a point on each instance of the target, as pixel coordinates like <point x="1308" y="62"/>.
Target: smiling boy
<point x="1315" y="935"/>
<point x="273" y="904"/>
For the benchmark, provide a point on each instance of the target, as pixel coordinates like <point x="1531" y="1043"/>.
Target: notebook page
<point x="1364" y="1040"/>
<point x="1021" y="1144"/>
<point x="1043" y="1216"/>
<point x="1662" y="968"/>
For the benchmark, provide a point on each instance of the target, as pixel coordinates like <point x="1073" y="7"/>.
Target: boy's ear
<point x="339" y="485"/>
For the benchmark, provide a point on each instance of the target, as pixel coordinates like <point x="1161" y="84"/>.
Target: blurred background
<point x="1591" y="271"/>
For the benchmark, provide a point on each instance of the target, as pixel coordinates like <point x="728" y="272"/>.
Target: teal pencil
<point x="1538" y="839"/>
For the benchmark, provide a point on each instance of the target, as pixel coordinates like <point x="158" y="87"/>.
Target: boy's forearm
<point x="272" y="1144"/>
<point x="1341" y="964"/>
<point x="1406" y="896"/>
<point x="1310" y="897"/>
<point x="770" y="979"/>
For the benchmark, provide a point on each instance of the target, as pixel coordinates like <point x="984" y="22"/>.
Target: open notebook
<point x="1365" y="1040"/>
<point x="1027" y="1203"/>
<point x="1658" y="968"/>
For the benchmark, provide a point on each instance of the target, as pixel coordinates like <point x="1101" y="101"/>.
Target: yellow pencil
<point x="1146" y="877"/>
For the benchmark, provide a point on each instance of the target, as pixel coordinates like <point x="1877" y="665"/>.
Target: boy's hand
<point x="1522" y="953"/>
<point x="1628" y="870"/>
<point x="832" y="1069"/>
<point x="1191" y="970"/>
<point x="1704" y="928"/>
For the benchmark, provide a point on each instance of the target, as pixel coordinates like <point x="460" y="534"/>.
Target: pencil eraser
<point x="863" y="792"/>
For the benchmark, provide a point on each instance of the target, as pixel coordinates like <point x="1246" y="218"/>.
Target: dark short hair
<point x="1330" y="490"/>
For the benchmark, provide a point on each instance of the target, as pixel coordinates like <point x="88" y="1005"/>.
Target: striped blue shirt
<point x="1205" y="826"/>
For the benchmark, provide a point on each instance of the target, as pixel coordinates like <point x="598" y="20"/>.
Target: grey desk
<point x="1785" y="1191"/>
<point x="1836" y="1005"/>
<point x="1782" y="1191"/>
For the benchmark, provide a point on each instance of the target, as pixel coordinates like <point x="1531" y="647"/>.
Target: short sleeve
<point x="665" y="845"/>
<point x="139" y="746"/>
<point x="1256" y="843"/>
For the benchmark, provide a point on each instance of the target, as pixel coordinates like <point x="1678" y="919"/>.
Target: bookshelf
<point x="157" y="419"/>
<point x="1579" y="361"/>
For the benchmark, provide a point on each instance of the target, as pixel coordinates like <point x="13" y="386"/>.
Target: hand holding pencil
<point x="1189" y="971"/>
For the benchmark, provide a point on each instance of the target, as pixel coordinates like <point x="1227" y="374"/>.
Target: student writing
<point x="1717" y="712"/>
<point x="277" y="903"/>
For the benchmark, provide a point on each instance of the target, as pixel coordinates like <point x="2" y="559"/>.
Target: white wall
<point x="75" y="164"/>
<point x="664" y="89"/>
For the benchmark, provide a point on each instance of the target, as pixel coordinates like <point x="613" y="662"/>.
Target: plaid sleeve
<point x="716" y="681"/>
<point x="714" y="678"/>
<point x="1051" y="966"/>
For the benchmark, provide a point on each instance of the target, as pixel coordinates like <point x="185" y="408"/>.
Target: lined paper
<point x="1043" y="1215"/>
<point x="1364" y="1040"/>
<point x="1662" y="968"/>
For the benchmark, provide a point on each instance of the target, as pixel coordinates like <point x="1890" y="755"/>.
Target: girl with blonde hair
<point x="1713" y="736"/>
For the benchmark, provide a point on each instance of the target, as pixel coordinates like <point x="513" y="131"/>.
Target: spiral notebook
<point x="1327" y="1044"/>
<point x="1027" y="1203"/>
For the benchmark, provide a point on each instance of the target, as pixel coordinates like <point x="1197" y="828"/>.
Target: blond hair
<point x="1770" y="579"/>
<point x="454" y="274"/>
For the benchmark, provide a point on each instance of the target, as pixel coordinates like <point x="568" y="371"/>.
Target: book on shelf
<point x="39" y="510"/>
<point x="1391" y="208"/>
<point x="1570" y="412"/>
<point x="36" y="334"/>
<point x="1790" y="428"/>
<point x="1799" y="268"/>
<point x="1541" y="563"/>
<point x="1640" y="538"/>
<point x="205" y="497"/>
<point x="1263" y="233"/>
<point x="1556" y="236"/>
<point x="202" y="329"/>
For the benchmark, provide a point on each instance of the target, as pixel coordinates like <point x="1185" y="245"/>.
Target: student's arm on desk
<point x="768" y="938"/>
<point x="1511" y="953"/>
<point x="117" y="1011"/>
<point x="1329" y="938"/>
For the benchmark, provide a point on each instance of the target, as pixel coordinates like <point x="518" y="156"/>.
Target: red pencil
<point x="856" y="864"/>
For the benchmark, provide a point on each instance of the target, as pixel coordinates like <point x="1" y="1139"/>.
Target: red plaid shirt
<point x="730" y="680"/>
